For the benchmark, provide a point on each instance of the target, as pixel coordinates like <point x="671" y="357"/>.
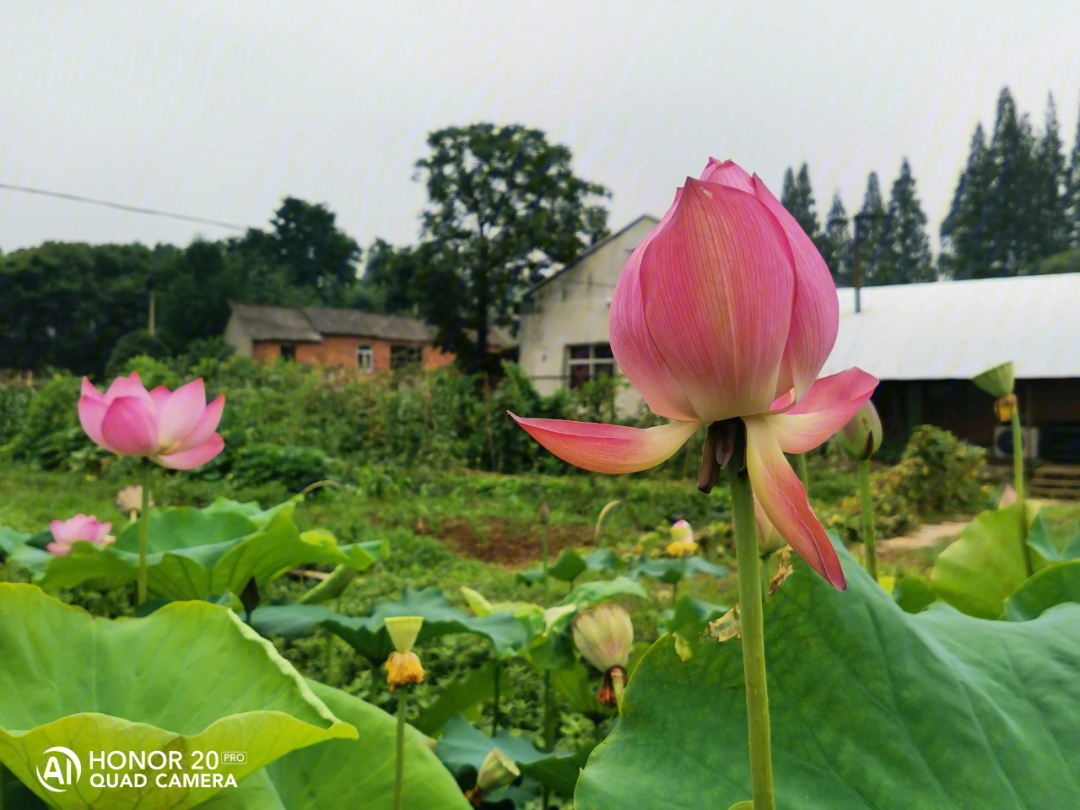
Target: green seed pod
<point x="497" y="771"/>
<point x="998" y="381"/>
<point x="403" y="631"/>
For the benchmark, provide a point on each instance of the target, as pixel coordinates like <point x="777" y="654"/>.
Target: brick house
<point x="347" y="338"/>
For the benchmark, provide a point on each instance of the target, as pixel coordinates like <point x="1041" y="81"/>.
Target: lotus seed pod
<point x="998" y="381"/>
<point x="403" y="668"/>
<point x="403" y="631"/>
<point x="860" y="438"/>
<point x="497" y="771"/>
<point x="604" y="635"/>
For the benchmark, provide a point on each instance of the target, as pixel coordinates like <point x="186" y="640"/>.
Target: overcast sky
<point x="219" y="109"/>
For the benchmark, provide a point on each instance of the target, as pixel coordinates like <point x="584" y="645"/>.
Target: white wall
<point x="572" y="308"/>
<point x="237" y="337"/>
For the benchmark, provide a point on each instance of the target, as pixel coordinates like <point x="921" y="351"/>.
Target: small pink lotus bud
<point x="604" y="635"/>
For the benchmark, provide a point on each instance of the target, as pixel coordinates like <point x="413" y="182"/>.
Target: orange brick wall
<point x="341" y="351"/>
<point x="434" y="357"/>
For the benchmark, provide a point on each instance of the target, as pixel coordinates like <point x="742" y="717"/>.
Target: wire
<point x="121" y="207"/>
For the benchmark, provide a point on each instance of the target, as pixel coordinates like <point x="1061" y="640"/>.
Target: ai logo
<point x="54" y="774"/>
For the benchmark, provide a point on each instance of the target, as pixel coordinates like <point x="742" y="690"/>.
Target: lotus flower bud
<point x="545" y="512"/>
<point x="497" y="771"/>
<point x="403" y="631"/>
<point x="604" y="636"/>
<point x="682" y="540"/>
<point x="81" y="527"/>
<point x="860" y="438"/>
<point x="998" y="381"/>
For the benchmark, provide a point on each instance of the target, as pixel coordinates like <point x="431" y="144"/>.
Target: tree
<point x="307" y="249"/>
<point x="905" y="257"/>
<point x="836" y="243"/>
<point x="1073" y="192"/>
<point x="963" y="231"/>
<point x="871" y="229"/>
<point x="503" y="207"/>
<point x="798" y="198"/>
<point x="1049" y="217"/>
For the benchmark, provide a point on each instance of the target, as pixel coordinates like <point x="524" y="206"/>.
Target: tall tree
<point x="504" y="207"/>
<point x="905" y="257"/>
<point x="798" y="198"/>
<point x="836" y="243"/>
<point x="871" y="229"/>
<point x="1073" y="191"/>
<point x="963" y="231"/>
<point x="1049" y="215"/>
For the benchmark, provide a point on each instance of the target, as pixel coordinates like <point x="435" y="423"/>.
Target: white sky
<point x="220" y="108"/>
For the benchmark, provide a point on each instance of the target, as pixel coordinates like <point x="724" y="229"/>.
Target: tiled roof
<point x="275" y="323"/>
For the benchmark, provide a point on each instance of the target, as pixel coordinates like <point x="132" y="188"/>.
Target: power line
<point x="121" y="207"/>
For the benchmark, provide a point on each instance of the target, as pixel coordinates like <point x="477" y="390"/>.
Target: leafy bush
<point x="14" y="403"/>
<point x="295" y="467"/>
<point x="936" y="475"/>
<point x="50" y="435"/>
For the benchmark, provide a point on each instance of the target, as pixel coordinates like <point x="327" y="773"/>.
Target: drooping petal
<point x="195" y="457"/>
<point x="827" y="406"/>
<point x="92" y="407"/>
<point x="180" y="413"/>
<point x="608" y="448"/>
<point x="128" y="387"/>
<point x="633" y="345"/>
<point x="783" y="500"/>
<point x="129" y="427"/>
<point x="717" y="285"/>
<point x="208" y="422"/>
<point x="815" y="315"/>
<point x="728" y="173"/>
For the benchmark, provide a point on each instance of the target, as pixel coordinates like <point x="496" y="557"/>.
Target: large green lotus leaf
<point x="672" y="570"/>
<point x="1054" y="585"/>
<point x="367" y="634"/>
<point x="978" y="572"/>
<point x="11" y="540"/>
<point x="460" y="696"/>
<point x="349" y="774"/>
<point x="190" y="677"/>
<point x="179" y="527"/>
<point x="691" y="615"/>
<point x="871" y="707"/>
<point x="567" y="568"/>
<point x="252" y="511"/>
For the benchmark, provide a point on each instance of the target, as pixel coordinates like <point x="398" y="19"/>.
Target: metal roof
<point x="955" y="329"/>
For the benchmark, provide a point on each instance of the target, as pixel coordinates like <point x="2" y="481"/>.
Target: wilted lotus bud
<point x="403" y="665"/>
<point x="860" y="438"/>
<point x="497" y="771"/>
<point x="682" y="540"/>
<point x="998" y="381"/>
<point x="129" y="500"/>
<point x="604" y="636"/>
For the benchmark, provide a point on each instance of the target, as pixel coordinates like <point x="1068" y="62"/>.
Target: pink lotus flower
<point x="726" y="310"/>
<point x="174" y="429"/>
<point x="80" y="527"/>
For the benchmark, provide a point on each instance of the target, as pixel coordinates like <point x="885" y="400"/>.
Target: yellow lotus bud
<point x="997" y="381"/>
<point x="604" y="635"/>
<point x="860" y="438"/>
<point x="403" y="631"/>
<point x="403" y="668"/>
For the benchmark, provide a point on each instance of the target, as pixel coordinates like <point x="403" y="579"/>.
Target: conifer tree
<point x="798" y="198"/>
<point x="1049" y="216"/>
<point x="905" y="256"/>
<point x="963" y="231"/>
<point x="1072" y="215"/>
<point x="836" y="243"/>
<point x="872" y="229"/>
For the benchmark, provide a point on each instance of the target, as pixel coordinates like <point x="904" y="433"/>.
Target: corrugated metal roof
<point x="956" y="329"/>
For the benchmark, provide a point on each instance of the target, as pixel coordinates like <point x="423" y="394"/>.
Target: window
<point x="365" y="358"/>
<point x="587" y="362"/>
<point x="288" y="352"/>
<point x="401" y="356"/>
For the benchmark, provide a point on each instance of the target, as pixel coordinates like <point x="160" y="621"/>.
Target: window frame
<point x="365" y="351"/>
<point x="599" y="360"/>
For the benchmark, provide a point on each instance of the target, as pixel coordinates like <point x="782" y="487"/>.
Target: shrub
<point x="50" y="435"/>
<point x="14" y="403"/>
<point x="294" y="467"/>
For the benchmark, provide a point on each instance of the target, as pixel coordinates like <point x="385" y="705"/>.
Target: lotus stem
<point x="618" y="686"/>
<point x="495" y="709"/>
<point x="549" y="728"/>
<point x="869" y="540"/>
<point x="544" y="561"/>
<point x="144" y="533"/>
<point x="804" y="473"/>
<point x="752" y="628"/>
<point x="399" y="770"/>
<point x="1018" y="485"/>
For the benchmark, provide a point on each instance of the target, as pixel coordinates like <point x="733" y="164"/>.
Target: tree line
<point x="504" y="208"/>
<point x="1015" y="211"/>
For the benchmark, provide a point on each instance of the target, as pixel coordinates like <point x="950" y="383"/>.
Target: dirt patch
<point x="924" y="537"/>
<point x="505" y="542"/>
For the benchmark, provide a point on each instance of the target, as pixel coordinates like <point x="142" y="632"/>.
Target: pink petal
<point x="826" y="408"/>
<point x="608" y="448"/>
<point x="208" y="422"/>
<point x="160" y="395"/>
<point x="783" y="500"/>
<point x="127" y="387"/>
<point x="180" y="413"/>
<point x="1008" y="497"/>
<point x="92" y="407"/>
<point x="58" y="549"/>
<point x="715" y="286"/>
<point x="129" y="427"/>
<point x="815" y="316"/>
<point x="196" y="457"/>
<point x="728" y="173"/>
<point x="63" y="531"/>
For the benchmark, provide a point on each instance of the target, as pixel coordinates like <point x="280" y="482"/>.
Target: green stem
<point x="752" y="628"/>
<point x="549" y="729"/>
<point x="544" y="558"/>
<point x="869" y="541"/>
<point x="618" y="686"/>
<point x="495" y="711"/>
<point x="804" y="473"/>
<point x="1018" y="485"/>
<point x="144" y="532"/>
<point x="399" y="771"/>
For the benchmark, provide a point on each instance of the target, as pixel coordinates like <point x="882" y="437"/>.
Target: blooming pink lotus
<point x="726" y="310"/>
<point x="81" y="527"/>
<point x="173" y="428"/>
